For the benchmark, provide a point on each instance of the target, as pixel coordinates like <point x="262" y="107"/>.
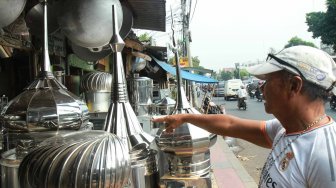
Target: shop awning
<point x="185" y="74"/>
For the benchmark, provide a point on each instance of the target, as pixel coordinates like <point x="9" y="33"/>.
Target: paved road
<point x="252" y="156"/>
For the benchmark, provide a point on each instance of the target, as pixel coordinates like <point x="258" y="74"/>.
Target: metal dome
<point x="45" y="105"/>
<point x="188" y="146"/>
<point x="97" y="89"/>
<point x="80" y="159"/>
<point x="97" y="81"/>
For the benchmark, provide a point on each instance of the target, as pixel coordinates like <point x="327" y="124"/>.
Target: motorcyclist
<point x="258" y="91"/>
<point x="242" y="94"/>
<point x="333" y="100"/>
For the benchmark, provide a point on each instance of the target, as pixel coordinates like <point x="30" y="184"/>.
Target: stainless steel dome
<point x="10" y="10"/>
<point x="88" y="23"/>
<point x="45" y="105"/>
<point x="80" y="159"/>
<point x="187" y="148"/>
<point x="97" y="89"/>
<point x="97" y="81"/>
<point x="165" y="106"/>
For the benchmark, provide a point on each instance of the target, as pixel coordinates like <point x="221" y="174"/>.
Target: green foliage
<point x="295" y="41"/>
<point x="243" y="73"/>
<point x="196" y="62"/>
<point x="323" y="24"/>
<point x="145" y="37"/>
<point x="225" y="75"/>
<point x="171" y="60"/>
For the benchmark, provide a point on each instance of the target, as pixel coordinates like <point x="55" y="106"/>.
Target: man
<point x="242" y="94"/>
<point x="303" y="139"/>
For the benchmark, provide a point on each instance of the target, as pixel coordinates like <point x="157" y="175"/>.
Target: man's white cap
<point x="315" y="65"/>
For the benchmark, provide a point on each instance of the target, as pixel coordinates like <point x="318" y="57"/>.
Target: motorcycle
<point x="242" y="103"/>
<point x="333" y="102"/>
<point x="258" y="96"/>
<point x="210" y="107"/>
<point x="252" y="94"/>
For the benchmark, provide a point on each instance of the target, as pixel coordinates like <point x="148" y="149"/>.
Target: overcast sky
<point x="241" y="31"/>
<point x="238" y="31"/>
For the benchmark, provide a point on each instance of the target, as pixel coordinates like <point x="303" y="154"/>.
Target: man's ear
<point x="296" y="84"/>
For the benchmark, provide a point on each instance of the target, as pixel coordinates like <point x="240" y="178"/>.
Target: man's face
<point x="275" y="93"/>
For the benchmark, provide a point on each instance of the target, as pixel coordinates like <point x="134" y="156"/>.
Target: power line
<point x="194" y="11"/>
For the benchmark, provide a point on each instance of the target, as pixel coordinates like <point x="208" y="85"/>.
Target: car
<point x="219" y="89"/>
<point x="231" y="87"/>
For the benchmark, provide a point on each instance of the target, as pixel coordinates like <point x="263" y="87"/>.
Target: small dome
<point x="97" y="81"/>
<point x="80" y="159"/>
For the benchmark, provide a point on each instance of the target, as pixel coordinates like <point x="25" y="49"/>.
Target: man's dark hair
<point x="314" y="91"/>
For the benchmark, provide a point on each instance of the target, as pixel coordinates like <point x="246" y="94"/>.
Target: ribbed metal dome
<point x="80" y="159"/>
<point x="97" y="81"/>
<point x="97" y="90"/>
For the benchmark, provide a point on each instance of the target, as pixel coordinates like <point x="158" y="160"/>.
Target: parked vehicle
<point x="210" y="107"/>
<point x="231" y="87"/>
<point x="219" y="89"/>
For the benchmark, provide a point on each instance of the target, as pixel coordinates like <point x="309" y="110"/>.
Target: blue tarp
<point x="185" y="74"/>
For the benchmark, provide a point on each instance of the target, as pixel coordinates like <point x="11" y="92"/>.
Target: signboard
<point x="183" y="62"/>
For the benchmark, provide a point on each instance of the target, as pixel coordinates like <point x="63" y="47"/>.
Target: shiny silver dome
<point x="45" y="105"/>
<point x="187" y="147"/>
<point x="80" y="159"/>
<point x="88" y="23"/>
<point x="10" y="10"/>
<point x="97" y="90"/>
<point x="96" y="81"/>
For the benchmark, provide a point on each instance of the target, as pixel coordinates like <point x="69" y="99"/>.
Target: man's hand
<point x="171" y="121"/>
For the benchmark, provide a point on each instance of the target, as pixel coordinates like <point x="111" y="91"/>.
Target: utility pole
<point x="238" y="69"/>
<point x="187" y="39"/>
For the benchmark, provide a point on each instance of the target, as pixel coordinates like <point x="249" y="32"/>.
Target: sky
<point x="241" y="31"/>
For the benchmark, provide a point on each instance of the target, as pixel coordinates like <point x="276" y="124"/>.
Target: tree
<point x="225" y="75"/>
<point x="323" y="24"/>
<point x="145" y="38"/>
<point x="243" y="73"/>
<point x="295" y="41"/>
<point x="196" y="62"/>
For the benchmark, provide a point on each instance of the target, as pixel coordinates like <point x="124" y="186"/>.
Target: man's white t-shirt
<point x="309" y="161"/>
<point x="241" y="93"/>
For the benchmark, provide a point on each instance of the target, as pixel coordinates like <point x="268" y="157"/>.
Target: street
<point x="251" y="156"/>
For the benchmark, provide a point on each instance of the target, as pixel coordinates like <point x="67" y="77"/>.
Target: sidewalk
<point x="227" y="170"/>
